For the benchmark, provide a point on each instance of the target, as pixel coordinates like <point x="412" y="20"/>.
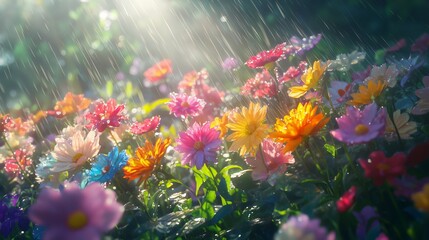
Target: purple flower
<point x="365" y="216"/>
<point x="305" y="44"/>
<point x="407" y="185"/>
<point x="360" y="126"/>
<point x="74" y="213"/>
<point x="338" y="92"/>
<point x="421" y="44"/>
<point x="229" y="64"/>
<point x="11" y="217"/>
<point x="301" y="227"/>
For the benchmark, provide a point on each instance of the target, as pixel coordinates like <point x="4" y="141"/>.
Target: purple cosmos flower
<point x="305" y="44"/>
<point x="365" y="216"/>
<point x="182" y="105"/>
<point x="198" y="145"/>
<point x="360" y="126"/>
<point x="74" y="213"/>
<point x="301" y="227"/>
<point x="229" y="64"/>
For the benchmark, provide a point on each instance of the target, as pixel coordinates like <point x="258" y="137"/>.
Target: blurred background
<point x="49" y="47"/>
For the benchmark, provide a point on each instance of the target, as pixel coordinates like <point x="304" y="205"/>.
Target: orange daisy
<point x="298" y="124"/>
<point x="72" y="104"/>
<point x="367" y="93"/>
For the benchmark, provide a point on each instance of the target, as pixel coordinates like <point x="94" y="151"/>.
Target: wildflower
<point x="189" y="80"/>
<point x="266" y="58"/>
<point x="421" y="199"/>
<point x="305" y="44"/>
<point x="406" y="185"/>
<point x="360" y="126"/>
<point x="74" y="213"/>
<point x="136" y="67"/>
<point x="347" y="200"/>
<point x="422" y="106"/>
<point x="270" y="162"/>
<point x="72" y="103"/>
<point x="338" y="92"/>
<point x="229" y="64"/>
<point x="343" y="62"/>
<point x="387" y="75"/>
<point x="198" y="144"/>
<point x="11" y="217"/>
<point x="19" y="161"/>
<point x="147" y="125"/>
<point x="366" y="216"/>
<point x="380" y="168"/>
<point x="358" y="77"/>
<point x="159" y="71"/>
<point x="298" y="124"/>
<point x="4" y="120"/>
<point x="260" y="86"/>
<point x="293" y="72"/>
<point x="301" y="227"/>
<point x="220" y="124"/>
<point x="310" y="79"/>
<point x="367" y="93"/>
<point x="182" y="105"/>
<point x="74" y="150"/>
<point x="43" y="169"/>
<point x="105" y="115"/>
<point x="19" y="126"/>
<point x="418" y="154"/>
<point x="106" y="166"/>
<point x="404" y="127"/>
<point x="421" y="44"/>
<point x="408" y="66"/>
<point x="248" y="128"/>
<point x="382" y="236"/>
<point x="145" y="160"/>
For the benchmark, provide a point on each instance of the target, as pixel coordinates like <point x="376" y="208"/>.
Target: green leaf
<point x="379" y="56"/>
<point x="149" y="107"/>
<point x="331" y="149"/>
<point x="109" y="88"/>
<point x="224" y="190"/>
<point x="221" y="213"/>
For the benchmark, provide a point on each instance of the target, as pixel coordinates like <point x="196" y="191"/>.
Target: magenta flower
<point x="147" y="125"/>
<point x="264" y="58"/>
<point x="272" y="163"/>
<point x="198" y="145"/>
<point x="74" y="213"/>
<point x="182" y="105"/>
<point x="104" y="115"/>
<point x="421" y="44"/>
<point x="360" y="126"/>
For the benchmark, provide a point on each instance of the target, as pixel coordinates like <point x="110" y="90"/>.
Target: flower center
<point x="185" y="104"/>
<point x="198" y="145"/>
<point x="341" y="92"/>
<point x="361" y="129"/>
<point x="106" y="169"/>
<point x="383" y="166"/>
<point x="76" y="157"/>
<point x="251" y="128"/>
<point x="77" y="220"/>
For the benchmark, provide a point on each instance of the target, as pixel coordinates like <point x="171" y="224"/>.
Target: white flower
<point x="343" y="62"/>
<point x="388" y="75"/>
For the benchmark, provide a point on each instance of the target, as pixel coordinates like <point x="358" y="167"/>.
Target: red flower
<point x="158" y="71"/>
<point x="418" y="154"/>
<point x="147" y="125"/>
<point x="4" y="122"/>
<point x="265" y="57"/>
<point x="347" y="200"/>
<point x="293" y="72"/>
<point x="104" y="115"/>
<point x="381" y="168"/>
<point x="11" y="163"/>
<point x="260" y="86"/>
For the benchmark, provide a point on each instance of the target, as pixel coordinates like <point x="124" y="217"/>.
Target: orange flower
<point x="145" y="160"/>
<point x="310" y="78"/>
<point x="298" y="124"/>
<point x="72" y="104"/>
<point x="367" y="93"/>
<point x="158" y="71"/>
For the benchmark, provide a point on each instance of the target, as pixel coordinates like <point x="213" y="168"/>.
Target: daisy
<point x="104" y="115"/>
<point x="182" y="105"/>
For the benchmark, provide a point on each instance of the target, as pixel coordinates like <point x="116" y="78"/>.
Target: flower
<point x="387" y="75"/>
<point x="270" y="162"/>
<point x="183" y="105"/>
<point x="74" y="213"/>
<point x="422" y="106"/>
<point x="293" y="72"/>
<point x="421" y="199"/>
<point x="220" y="124"/>
<point x="380" y="168"/>
<point x="198" y="144"/>
<point x="298" y="124"/>
<point x="4" y="120"/>
<point x="343" y="62"/>
<point x="146" y="158"/>
<point x="421" y="44"/>
<point x="74" y="150"/>
<point x="407" y="185"/>
<point x="248" y="128"/>
<point x="418" y="154"/>
<point x="229" y="64"/>
<point x="260" y="86"/>
<point x="408" y="66"/>
<point x="305" y="44"/>
<point x="338" y="92"/>
<point x="401" y="124"/>
<point x="159" y="71"/>
<point x="105" y="115"/>
<point x="106" y="166"/>
<point x="72" y="103"/>
<point x="43" y="169"/>
<point x="360" y="126"/>
<point x="147" y="125"/>
<point x="18" y="162"/>
<point x="361" y="75"/>
<point x="347" y="200"/>
<point x="301" y="227"/>
<point x="266" y="58"/>
<point x="397" y="46"/>
<point x="136" y="67"/>
<point x="310" y="79"/>
<point x="367" y="93"/>
<point x="11" y="217"/>
<point x="367" y="215"/>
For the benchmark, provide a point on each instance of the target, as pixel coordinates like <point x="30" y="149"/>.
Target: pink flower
<point x="105" y="115"/>
<point x="147" y="125"/>
<point x="358" y="77"/>
<point x="182" y="105"/>
<point x="273" y="162"/>
<point x="198" y="145"/>
<point x="380" y="168"/>
<point x="293" y="72"/>
<point x="266" y="57"/>
<point x="11" y="163"/>
<point x="397" y="46"/>
<point x="260" y="86"/>
<point x="421" y="44"/>
<point x="360" y="126"/>
<point x="347" y="200"/>
<point x="422" y="106"/>
<point x="73" y="213"/>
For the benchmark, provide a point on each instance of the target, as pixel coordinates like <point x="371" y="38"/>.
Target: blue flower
<point x="107" y="166"/>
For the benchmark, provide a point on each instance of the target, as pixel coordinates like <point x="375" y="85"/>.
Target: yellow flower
<point x="248" y="129"/>
<point x="310" y="78"/>
<point x="367" y="93"/>
<point x="220" y="124"/>
<point x="145" y="160"/>
<point x="404" y="126"/>
<point x="421" y="199"/>
<point x="298" y="124"/>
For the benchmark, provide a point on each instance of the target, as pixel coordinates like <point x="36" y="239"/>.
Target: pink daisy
<point x="104" y="115"/>
<point x="147" y="125"/>
<point x="198" y="145"/>
<point x="182" y="105"/>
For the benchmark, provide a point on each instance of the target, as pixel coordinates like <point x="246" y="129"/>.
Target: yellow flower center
<point x="269" y="66"/>
<point x="198" y="145"/>
<point x="76" y="157"/>
<point x="185" y="104"/>
<point x="361" y="129"/>
<point x="251" y="128"/>
<point x="77" y="220"/>
<point x="383" y="166"/>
